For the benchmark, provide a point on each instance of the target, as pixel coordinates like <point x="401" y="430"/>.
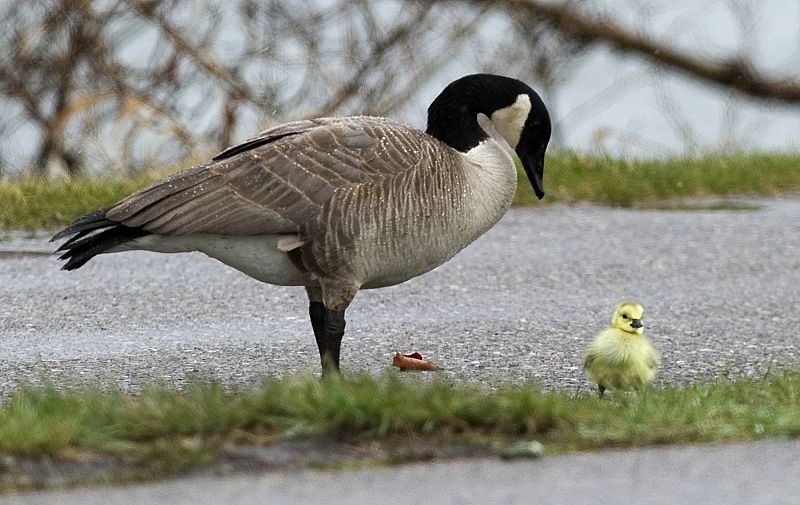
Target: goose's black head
<point x="458" y="117"/>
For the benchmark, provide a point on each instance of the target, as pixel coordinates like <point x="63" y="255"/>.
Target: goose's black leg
<point x="334" y="331"/>
<point x="328" y="328"/>
<point x="316" y="311"/>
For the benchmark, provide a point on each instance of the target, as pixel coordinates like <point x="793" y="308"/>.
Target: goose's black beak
<point x="636" y="323"/>
<point x="534" y="169"/>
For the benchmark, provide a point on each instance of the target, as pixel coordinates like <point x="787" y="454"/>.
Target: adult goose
<point x="340" y="204"/>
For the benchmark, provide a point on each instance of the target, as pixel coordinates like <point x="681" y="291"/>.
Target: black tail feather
<point x="93" y="235"/>
<point x="85" y="224"/>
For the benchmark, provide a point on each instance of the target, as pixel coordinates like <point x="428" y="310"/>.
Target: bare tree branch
<point x="149" y="10"/>
<point x="735" y="73"/>
<point x="427" y="71"/>
<point x="375" y="59"/>
<point x="139" y="82"/>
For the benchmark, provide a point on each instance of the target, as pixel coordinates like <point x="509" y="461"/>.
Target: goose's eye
<point x="624" y="316"/>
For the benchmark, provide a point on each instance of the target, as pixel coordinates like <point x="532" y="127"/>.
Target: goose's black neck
<point x="453" y="115"/>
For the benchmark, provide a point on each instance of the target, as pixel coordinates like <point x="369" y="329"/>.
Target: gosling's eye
<point x="624" y="316"/>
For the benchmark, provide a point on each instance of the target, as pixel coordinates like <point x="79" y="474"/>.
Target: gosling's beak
<point x="636" y="323"/>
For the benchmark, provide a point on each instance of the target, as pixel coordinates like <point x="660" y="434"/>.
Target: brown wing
<point x="276" y="182"/>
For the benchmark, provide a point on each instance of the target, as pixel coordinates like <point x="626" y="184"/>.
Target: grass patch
<point x="164" y="429"/>
<point x="31" y="203"/>
<point x="573" y="177"/>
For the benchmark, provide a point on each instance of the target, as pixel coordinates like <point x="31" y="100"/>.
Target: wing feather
<point x="278" y="181"/>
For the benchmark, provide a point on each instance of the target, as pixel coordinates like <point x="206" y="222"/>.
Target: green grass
<point x="34" y="203"/>
<point x="30" y="203"/>
<point x="192" y="425"/>
<point x="573" y="177"/>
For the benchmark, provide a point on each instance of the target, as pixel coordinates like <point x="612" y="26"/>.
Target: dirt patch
<point x="25" y="473"/>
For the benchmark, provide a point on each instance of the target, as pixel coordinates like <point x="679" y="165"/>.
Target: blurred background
<point x="122" y="86"/>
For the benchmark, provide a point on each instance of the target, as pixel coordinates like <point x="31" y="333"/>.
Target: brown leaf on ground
<point x="413" y="361"/>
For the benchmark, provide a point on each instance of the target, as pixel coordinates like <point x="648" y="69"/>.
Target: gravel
<point x="721" y="291"/>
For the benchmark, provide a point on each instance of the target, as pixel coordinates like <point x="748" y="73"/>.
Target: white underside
<point x="257" y="256"/>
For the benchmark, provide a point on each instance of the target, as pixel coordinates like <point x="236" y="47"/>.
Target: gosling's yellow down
<point x="621" y="357"/>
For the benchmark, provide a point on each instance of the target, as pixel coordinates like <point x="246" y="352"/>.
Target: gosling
<point x="621" y="358"/>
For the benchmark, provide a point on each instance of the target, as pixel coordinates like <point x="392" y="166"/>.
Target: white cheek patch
<point x="510" y="120"/>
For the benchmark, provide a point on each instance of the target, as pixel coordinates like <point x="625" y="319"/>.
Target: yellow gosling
<point x="621" y="357"/>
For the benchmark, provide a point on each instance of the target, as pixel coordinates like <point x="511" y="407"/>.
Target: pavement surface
<point x="761" y="473"/>
<point x="721" y="290"/>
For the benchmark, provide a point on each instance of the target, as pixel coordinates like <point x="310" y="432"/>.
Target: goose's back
<point x="278" y="181"/>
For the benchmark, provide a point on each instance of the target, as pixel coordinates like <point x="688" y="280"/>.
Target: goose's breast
<point x="417" y="221"/>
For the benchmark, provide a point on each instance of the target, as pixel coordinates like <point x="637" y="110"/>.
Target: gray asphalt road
<point x="721" y="291"/>
<point x="763" y="473"/>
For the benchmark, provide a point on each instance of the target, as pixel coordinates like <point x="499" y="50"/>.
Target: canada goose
<point x="340" y="204"/>
<point x="621" y="357"/>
